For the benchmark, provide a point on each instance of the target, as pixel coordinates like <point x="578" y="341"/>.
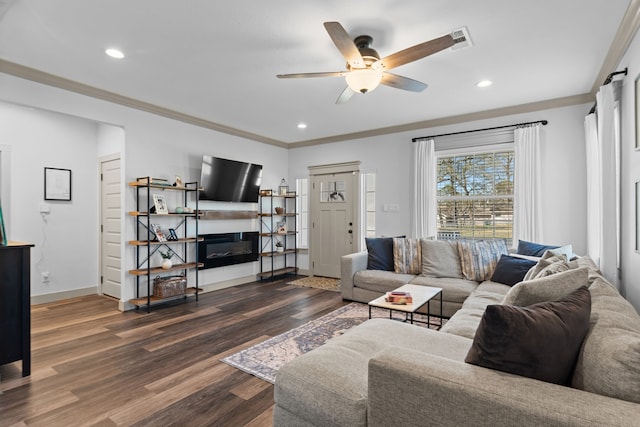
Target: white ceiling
<point x="217" y="60"/>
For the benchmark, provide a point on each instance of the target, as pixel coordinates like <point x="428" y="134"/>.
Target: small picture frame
<point x="158" y="232"/>
<point x="172" y="234"/>
<point x="160" y="204"/>
<point x="57" y="184"/>
<point x="281" y="227"/>
<point x="266" y="192"/>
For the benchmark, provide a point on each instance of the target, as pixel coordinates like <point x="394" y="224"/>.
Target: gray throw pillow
<point x="440" y="258"/>
<point x="541" y="341"/>
<point x="549" y="288"/>
<point x="549" y="264"/>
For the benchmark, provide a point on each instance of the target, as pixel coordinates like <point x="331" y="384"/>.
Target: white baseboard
<point x="58" y="296"/>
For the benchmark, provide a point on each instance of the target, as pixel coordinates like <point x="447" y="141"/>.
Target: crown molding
<point x="624" y="36"/>
<point x="38" y="76"/>
<point x="452" y="120"/>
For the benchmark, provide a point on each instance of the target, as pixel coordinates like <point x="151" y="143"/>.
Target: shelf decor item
<point x="167" y="263"/>
<point x="155" y="228"/>
<point x="160" y="204"/>
<point x="283" y="188"/>
<point x="169" y="286"/>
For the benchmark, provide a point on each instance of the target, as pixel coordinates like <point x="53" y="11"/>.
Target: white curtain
<point x="594" y="190"/>
<point x="603" y="190"/>
<point x="424" y="194"/>
<point x="526" y="204"/>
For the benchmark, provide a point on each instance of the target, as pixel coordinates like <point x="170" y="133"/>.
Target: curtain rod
<point x="606" y="82"/>
<point x="543" y="122"/>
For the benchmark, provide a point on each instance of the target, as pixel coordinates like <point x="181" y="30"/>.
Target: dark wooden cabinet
<point x="15" y="305"/>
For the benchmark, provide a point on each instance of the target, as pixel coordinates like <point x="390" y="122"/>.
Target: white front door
<point x="110" y="228"/>
<point x="334" y="200"/>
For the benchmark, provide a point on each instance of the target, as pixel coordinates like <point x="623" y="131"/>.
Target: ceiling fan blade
<point x="302" y="75"/>
<point x="413" y="53"/>
<point x="345" y="96"/>
<point x="400" y="82"/>
<point x="345" y="44"/>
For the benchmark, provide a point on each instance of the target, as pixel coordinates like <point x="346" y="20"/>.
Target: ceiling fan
<point x="366" y="70"/>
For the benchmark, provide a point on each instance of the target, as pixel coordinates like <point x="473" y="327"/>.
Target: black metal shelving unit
<point x="147" y="244"/>
<point x="275" y="263"/>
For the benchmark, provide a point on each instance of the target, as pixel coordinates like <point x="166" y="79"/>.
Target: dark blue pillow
<point x="380" y="253"/>
<point x="511" y="270"/>
<point x="533" y="249"/>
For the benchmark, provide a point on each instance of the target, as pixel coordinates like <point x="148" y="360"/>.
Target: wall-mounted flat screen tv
<point x="225" y="180"/>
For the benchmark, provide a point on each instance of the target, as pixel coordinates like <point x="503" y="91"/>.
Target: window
<point x="369" y="189"/>
<point x="475" y="195"/>
<point x="302" y="189"/>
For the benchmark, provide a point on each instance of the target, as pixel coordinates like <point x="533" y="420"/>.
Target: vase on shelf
<point x="166" y="259"/>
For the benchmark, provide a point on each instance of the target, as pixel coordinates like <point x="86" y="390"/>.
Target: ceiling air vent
<point x="462" y="38"/>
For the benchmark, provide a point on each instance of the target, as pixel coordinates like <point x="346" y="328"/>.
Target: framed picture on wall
<point x="637" y="117"/>
<point x="637" y="190"/>
<point x="57" y="184"/>
<point x="3" y="234"/>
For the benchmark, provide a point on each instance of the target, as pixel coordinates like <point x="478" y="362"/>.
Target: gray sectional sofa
<point x="384" y="372"/>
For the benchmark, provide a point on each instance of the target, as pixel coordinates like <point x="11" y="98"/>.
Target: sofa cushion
<point x="380" y="281"/>
<point x="454" y="290"/>
<point x="478" y="258"/>
<point x="440" y="258"/>
<point x="585" y="261"/>
<point x="406" y="256"/>
<point x="609" y="363"/>
<point x="540" y="341"/>
<point x="380" y="253"/>
<point x="549" y="288"/>
<point x="511" y="270"/>
<point x="466" y="320"/>
<point x="533" y="249"/>
<point x="328" y="385"/>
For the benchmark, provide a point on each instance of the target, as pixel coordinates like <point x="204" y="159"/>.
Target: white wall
<point x="391" y="157"/>
<point x="630" y="257"/>
<point x="64" y="238"/>
<point x="153" y="146"/>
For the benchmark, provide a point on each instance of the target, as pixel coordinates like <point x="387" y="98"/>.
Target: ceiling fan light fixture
<point x="363" y="80"/>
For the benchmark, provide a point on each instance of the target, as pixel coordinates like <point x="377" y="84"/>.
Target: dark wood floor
<point x="95" y="366"/>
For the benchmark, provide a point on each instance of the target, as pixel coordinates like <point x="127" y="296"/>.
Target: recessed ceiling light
<point x="114" y="53"/>
<point x="484" y="83"/>
<point x="302" y="125"/>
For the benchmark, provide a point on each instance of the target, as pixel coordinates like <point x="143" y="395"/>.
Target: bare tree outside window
<point x="475" y="196"/>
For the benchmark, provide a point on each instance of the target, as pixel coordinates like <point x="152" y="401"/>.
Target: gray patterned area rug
<point x="264" y="359"/>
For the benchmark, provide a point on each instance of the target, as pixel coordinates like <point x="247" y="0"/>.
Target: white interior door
<point x="110" y="228"/>
<point x="334" y="199"/>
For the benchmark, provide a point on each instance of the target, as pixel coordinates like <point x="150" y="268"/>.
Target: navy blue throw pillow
<point x="533" y="249"/>
<point x="511" y="270"/>
<point x="380" y="253"/>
